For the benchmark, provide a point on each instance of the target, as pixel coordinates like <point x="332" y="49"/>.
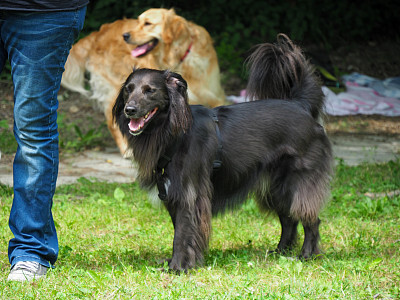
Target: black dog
<point x="204" y="161"/>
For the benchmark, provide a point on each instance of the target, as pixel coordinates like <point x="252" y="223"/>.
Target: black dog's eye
<point x="127" y="90"/>
<point x="147" y="90"/>
<point x="147" y="23"/>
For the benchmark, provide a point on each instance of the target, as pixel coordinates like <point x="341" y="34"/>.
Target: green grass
<point x="111" y="240"/>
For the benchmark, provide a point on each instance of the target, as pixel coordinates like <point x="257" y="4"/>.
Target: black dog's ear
<point x="119" y="104"/>
<point x="180" y="114"/>
<point x="176" y="83"/>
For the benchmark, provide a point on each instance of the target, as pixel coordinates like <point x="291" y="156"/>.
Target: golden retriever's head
<point x="160" y="31"/>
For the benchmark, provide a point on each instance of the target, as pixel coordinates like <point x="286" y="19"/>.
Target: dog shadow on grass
<point x="152" y="260"/>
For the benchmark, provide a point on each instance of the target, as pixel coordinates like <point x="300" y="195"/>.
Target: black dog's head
<point x="148" y="98"/>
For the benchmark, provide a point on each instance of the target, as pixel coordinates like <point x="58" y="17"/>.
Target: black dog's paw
<point x="163" y="261"/>
<point x="310" y="253"/>
<point x="308" y="257"/>
<point x="176" y="268"/>
<point x="273" y="252"/>
<point x="169" y="267"/>
<point x="279" y="251"/>
<point x="165" y="264"/>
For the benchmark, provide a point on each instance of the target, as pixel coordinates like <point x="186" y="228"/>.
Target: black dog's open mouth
<point x="144" y="48"/>
<point x="136" y="126"/>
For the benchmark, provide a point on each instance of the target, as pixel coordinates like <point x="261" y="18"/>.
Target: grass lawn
<point x="111" y="240"/>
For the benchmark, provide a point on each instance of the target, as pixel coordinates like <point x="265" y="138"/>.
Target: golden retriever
<point x="183" y="47"/>
<point x="158" y="39"/>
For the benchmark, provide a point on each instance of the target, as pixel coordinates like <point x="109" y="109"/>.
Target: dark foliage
<point x="236" y="25"/>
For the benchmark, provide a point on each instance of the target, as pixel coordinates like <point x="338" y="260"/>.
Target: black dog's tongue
<point x="138" y="124"/>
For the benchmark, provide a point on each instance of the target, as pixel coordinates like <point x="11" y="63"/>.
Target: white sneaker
<point x="27" y="271"/>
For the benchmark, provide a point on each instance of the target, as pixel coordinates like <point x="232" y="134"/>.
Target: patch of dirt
<point x="363" y="125"/>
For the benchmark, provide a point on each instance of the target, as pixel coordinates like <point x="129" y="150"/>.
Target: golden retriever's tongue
<point x="140" y="50"/>
<point x="136" y="124"/>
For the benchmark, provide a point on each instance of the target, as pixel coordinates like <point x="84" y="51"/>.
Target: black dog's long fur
<point x="273" y="149"/>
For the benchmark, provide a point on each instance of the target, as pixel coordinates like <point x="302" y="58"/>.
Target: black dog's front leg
<point x="184" y="246"/>
<point x="192" y="230"/>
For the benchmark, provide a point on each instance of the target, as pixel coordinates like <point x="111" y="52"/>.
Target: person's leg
<point x="37" y="45"/>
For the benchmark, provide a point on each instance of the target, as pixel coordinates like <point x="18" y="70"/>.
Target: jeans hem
<point x="43" y="262"/>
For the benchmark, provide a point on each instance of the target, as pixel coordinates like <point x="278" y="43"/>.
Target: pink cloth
<point x="360" y="100"/>
<point x="356" y="100"/>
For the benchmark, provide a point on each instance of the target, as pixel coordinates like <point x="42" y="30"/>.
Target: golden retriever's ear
<point x="171" y="12"/>
<point x="175" y="27"/>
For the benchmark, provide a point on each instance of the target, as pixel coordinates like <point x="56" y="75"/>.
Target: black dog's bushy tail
<point x="281" y="71"/>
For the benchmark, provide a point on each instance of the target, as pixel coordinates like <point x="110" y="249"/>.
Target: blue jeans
<point x="37" y="46"/>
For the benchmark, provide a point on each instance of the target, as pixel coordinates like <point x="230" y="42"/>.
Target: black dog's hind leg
<point x="311" y="239"/>
<point x="288" y="235"/>
<point x="278" y="199"/>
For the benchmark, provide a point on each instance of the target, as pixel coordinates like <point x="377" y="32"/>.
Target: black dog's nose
<point x="130" y="110"/>
<point x="126" y="36"/>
